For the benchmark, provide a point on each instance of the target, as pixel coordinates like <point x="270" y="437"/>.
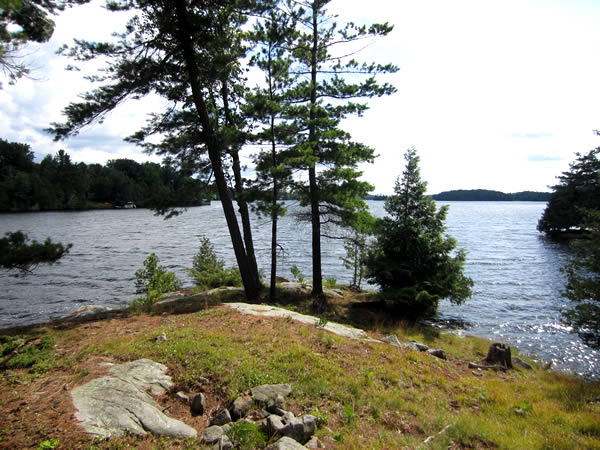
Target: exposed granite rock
<point x="269" y="392"/>
<point x="115" y="405"/>
<point x="273" y="311"/>
<point x="314" y="442"/>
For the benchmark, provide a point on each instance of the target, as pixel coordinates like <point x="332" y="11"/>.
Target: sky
<point x="493" y="95"/>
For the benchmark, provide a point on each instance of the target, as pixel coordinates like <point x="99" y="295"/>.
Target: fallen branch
<point x="431" y="438"/>
<point x="14" y="353"/>
<point x="486" y="367"/>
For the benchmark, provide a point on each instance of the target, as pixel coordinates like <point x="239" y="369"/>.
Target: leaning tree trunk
<point x="214" y="152"/>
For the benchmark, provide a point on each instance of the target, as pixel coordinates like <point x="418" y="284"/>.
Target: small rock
<point x="183" y="397"/>
<point x="437" y="353"/>
<point x="314" y="442"/>
<point x="66" y="387"/>
<point x="224" y="443"/>
<point x="393" y="339"/>
<point x="198" y="405"/>
<point x="419" y="346"/>
<point x="221" y="418"/>
<point x="522" y="363"/>
<point x="203" y="380"/>
<point x="268" y="392"/>
<point x="161" y="337"/>
<point x="478" y="374"/>
<point x="309" y="423"/>
<point x="211" y="435"/>
<point x="285" y="443"/>
<point x="240" y="407"/>
<point x="227" y="427"/>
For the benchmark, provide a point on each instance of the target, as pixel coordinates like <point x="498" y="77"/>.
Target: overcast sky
<point x="493" y="95"/>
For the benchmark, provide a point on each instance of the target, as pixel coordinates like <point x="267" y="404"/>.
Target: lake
<point x="516" y="298"/>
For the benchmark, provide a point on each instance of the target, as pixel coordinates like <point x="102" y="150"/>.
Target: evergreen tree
<point x="411" y="259"/>
<point x="583" y="285"/>
<point x="190" y="53"/>
<point x="578" y="189"/>
<point x="332" y="89"/>
<point x="23" y="21"/>
<point x="268" y="105"/>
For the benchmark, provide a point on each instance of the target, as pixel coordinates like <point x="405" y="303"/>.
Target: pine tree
<point x="578" y="189"/>
<point x="583" y="283"/>
<point x="332" y="89"/>
<point x="411" y="259"/>
<point x="269" y="106"/>
<point x="188" y="52"/>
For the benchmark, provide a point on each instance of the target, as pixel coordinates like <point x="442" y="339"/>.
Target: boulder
<point x="285" y="443"/>
<point x="115" y="405"/>
<point x="183" y="397"/>
<point x="211" y="435"/>
<point x="300" y="428"/>
<point x="269" y="392"/>
<point x="437" y="353"/>
<point x="221" y="418"/>
<point x="198" y="405"/>
<point x="240" y="407"/>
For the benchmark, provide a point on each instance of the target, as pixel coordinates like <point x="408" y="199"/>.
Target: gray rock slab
<point x="314" y="442"/>
<point x="269" y="392"/>
<point x="285" y="443"/>
<point x="273" y="311"/>
<point x="437" y="353"/>
<point x="109" y="406"/>
<point x="145" y="374"/>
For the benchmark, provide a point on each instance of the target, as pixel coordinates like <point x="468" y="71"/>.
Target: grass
<point x="364" y="394"/>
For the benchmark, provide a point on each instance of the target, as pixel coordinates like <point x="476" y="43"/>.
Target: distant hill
<point x="484" y="195"/>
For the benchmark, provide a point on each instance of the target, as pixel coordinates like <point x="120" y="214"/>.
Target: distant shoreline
<point x="483" y="195"/>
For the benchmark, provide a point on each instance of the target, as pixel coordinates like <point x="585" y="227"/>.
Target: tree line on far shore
<point x="57" y="183"/>
<point x="485" y="195"/>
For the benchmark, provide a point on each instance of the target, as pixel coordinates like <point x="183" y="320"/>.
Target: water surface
<point x="516" y="270"/>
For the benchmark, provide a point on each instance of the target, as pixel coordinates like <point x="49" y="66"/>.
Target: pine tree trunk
<point x="214" y="152"/>
<point x="245" y="216"/>
<point x="320" y="301"/>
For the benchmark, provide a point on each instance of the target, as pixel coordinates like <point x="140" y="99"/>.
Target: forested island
<point x="57" y="183"/>
<point x="484" y="195"/>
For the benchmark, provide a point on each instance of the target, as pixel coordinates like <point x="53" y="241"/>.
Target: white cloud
<point x="484" y="89"/>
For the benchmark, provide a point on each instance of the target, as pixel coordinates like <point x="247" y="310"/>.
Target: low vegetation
<point x="365" y="394"/>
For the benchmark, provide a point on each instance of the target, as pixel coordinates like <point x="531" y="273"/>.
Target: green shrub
<point x="209" y="271"/>
<point x="246" y="436"/>
<point x="298" y="276"/>
<point x="330" y="282"/>
<point x="153" y="281"/>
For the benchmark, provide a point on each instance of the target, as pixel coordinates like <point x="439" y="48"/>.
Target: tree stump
<point x="499" y="354"/>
